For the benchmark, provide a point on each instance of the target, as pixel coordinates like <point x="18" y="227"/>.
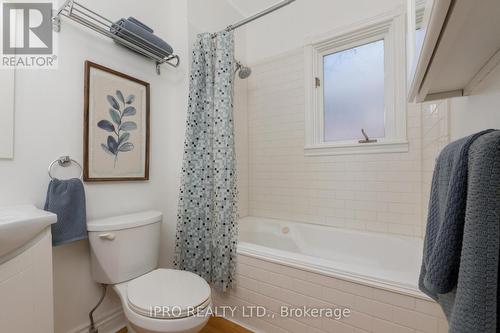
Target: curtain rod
<point x="259" y="15"/>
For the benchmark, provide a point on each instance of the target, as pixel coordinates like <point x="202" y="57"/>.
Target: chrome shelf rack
<point x="94" y="21"/>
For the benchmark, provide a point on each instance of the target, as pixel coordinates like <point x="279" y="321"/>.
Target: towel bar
<point x="94" y="21"/>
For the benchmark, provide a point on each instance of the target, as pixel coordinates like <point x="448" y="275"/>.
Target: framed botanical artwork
<point x="116" y="126"/>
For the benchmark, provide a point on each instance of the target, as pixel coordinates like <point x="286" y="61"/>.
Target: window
<point x="356" y="80"/>
<point x="347" y="75"/>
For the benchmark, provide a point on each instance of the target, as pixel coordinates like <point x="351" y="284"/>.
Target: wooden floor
<point x="216" y="325"/>
<point x="221" y="325"/>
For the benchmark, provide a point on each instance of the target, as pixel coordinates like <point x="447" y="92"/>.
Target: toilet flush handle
<point x="107" y="236"/>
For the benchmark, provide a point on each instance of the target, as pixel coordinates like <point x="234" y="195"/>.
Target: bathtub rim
<point x="282" y="257"/>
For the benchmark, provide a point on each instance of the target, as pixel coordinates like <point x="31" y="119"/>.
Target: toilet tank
<point x="124" y="247"/>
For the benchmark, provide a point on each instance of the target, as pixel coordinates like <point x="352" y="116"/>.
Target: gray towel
<point x="445" y="221"/>
<point x="129" y="31"/>
<point x="139" y="23"/>
<point x="66" y="199"/>
<point x="472" y="303"/>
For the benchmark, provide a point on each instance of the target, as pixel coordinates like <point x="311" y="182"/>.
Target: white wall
<point x="49" y="123"/>
<point x="213" y="16"/>
<point x="289" y="27"/>
<point x="479" y="111"/>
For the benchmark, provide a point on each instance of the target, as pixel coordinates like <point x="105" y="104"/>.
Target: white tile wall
<point x="241" y="143"/>
<point x="377" y="192"/>
<point x="435" y="136"/>
<point x="373" y="310"/>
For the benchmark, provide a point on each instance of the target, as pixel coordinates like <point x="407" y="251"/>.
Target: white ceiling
<point x="247" y="7"/>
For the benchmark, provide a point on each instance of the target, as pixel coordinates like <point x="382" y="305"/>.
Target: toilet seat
<point x="168" y="294"/>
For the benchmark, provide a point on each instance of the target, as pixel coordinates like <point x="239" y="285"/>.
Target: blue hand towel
<point x="66" y="199"/>
<point x="129" y="31"/>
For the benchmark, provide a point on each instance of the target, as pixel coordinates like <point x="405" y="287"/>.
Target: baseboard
<point x="109" y="323"/>
<point x="115" y="321"/>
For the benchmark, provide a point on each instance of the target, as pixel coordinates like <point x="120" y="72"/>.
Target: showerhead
<point x="243" y="71"/>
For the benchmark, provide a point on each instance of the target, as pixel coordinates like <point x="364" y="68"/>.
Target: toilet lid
<point x="168" y="294"/>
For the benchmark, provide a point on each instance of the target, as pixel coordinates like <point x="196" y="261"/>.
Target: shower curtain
<point x="206" y="237"/>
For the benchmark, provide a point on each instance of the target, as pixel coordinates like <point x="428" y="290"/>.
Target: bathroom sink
<point x="20" y="224"/>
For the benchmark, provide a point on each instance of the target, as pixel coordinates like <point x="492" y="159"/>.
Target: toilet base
<point x="131" y="328"/>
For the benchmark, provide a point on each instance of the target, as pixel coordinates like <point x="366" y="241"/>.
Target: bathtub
<point x="390" y="262"/>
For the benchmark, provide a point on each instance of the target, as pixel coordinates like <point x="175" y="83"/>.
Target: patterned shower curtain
<point x="207" y="217"/>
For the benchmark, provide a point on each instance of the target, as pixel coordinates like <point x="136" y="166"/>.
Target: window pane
<point x="419" y="40"/>
<point x="354" y="93"/>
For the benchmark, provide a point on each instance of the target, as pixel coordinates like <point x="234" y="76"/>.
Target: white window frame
<point x="390" y="27"/>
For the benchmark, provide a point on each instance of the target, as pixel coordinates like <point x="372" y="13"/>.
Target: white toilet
<point x="124" y="254"/>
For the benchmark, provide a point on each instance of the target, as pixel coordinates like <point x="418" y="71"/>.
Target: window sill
<point x="352" y="148"/>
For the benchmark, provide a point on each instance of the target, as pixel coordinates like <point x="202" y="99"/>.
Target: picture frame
<point x="116" y="126"/>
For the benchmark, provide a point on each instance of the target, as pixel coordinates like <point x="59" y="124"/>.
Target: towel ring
<point x="64" y="161"/>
